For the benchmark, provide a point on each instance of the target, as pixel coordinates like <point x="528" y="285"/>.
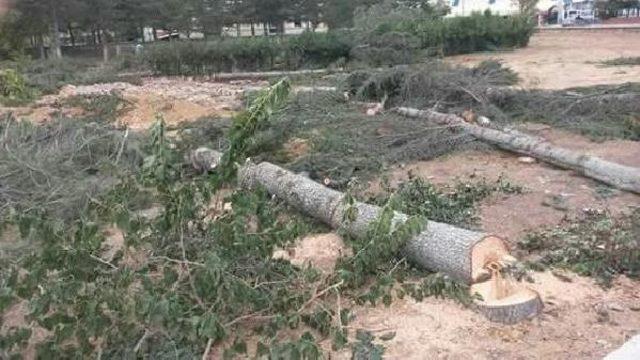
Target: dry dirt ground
<point x="176" y="99"/>
<point x="561" y="59"/>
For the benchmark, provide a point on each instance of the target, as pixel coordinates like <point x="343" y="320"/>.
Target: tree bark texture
<point x="619" y="176"/>
<point x="456" y="252"/>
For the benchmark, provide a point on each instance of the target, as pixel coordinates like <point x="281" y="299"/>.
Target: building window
<point x="455" y="2"/>
<point x="492" y="2"/>
<point x="297" y="24"/>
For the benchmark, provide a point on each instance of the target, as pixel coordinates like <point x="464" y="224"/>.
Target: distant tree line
<point x="40" y="21"/>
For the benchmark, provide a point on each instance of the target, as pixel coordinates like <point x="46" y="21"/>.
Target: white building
<point x="568" y="12"/>
<point x="467" y="7"/>
<point x="260" y="29"/>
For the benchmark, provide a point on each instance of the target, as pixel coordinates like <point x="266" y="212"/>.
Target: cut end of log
<point x="488" y="250"/>
<point x="502" y="299"/>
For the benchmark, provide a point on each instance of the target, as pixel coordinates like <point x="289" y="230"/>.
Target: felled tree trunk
<point x="505" y="94"/>
<point x="459" y="253"/>
<point x="468" y="256"/>
<point x="619" y="176"/>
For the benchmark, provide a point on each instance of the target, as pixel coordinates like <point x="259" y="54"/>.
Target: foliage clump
<point x="453" y="205"/>
<point x="14" y="89"/>
<point x="247" y="54"/>
<point x="393" y="33"/>
<point x="597" y="245"/>
<point x="54" y="170"/>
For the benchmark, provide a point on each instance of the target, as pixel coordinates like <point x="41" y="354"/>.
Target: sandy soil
<point x="579" y="321"/>
<point x="563" y="59"/>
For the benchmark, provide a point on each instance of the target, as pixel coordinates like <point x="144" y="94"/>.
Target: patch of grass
<point x="622" y="61"/>
<point x="48" y="76"/>
<point x="103" y="108"/>
<point x="453" y="205"/>
<point x="597" y="245"/>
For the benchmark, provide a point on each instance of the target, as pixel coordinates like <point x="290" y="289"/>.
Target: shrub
<point x="459" y="35"/>
<point x="386" y="39"/>
<point x="14" y="88"/>
<point x="388" y="49"/>
<point x="247" y="54"/>
<point x="311" y="49"/>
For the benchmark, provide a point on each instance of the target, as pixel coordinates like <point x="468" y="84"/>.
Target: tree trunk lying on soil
<point x="619" y="176"/>
<point x="462" y="254"/>
<point x="459" y="253"/>
<point x="505" y="94"/>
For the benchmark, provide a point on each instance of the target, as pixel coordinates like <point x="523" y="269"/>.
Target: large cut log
<point x="468" y="256"/>
<point x="460" y="253"/>
<point x="619" y="176"/>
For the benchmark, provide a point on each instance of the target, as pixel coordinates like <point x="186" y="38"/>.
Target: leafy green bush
<point x="14" y="88"/>
<point x="388" y="48"/>
<point x="457" y="35"/>
<point x="247" y="54"/>
<point x="316" y="50"/>
<point x="381" y="40"/>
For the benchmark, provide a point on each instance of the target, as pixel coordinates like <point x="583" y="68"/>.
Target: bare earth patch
<point x="580" y="321"/>
<point x="321" y="251"/>
<point x="564" y="59"/>
<point x="177" y="100"/>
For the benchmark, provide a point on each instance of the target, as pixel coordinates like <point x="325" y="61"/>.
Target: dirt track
<point x="563" y="59"/>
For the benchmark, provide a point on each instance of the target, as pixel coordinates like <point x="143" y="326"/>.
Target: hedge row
<point x="400" y="42"/>
<point x="478" y="32"/>
<point x="247" y="54"/>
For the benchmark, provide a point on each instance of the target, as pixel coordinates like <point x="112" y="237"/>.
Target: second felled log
<point x="619" y="176"/>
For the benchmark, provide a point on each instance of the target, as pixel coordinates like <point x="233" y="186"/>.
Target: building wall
<point x="501" y="7"/>
<point x="290" y="28"/>
<point x="466" y="7"/>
